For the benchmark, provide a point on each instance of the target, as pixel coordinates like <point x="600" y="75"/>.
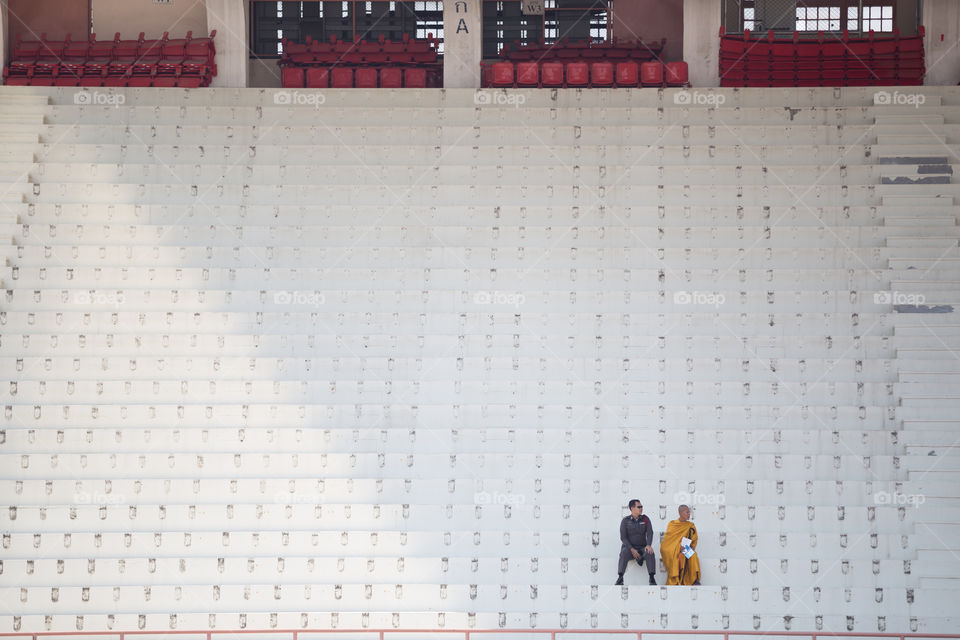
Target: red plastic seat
<point x="341" y="77"/>
<point x="551" y="74"/>
<point x="148" y="55"/>
<point x="124" y="57"/>
<point x="391" y="77"/>
<point x="140" y="81"/>
<point x="415" y="77"/>
<point x="73" y="58"/>
<point x="677" y="74"/>
<point x="578" y="74"/>
<point x="48" y="58"/>
<point x="99" y="55"/>
<point x="651" y="74"/>
<point x="317" y="78"/>
<point x="366" y="78"/>
<point x="601" y="74"/>
<point x="291" y="77"/>
<point x="628" y="74"/>
<point x="503" y="74"/>
<point x="528" y="74"/>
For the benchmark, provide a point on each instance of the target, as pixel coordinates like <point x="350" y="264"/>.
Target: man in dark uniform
<point x="636" y="534"/>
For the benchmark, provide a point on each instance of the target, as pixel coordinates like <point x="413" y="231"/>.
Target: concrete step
<point x="890" y="154"/>
<point x="913" y="411"/>
<point x="932" y="400"/>
<point x="937" y="536"/>
<point x="930" y="439"/>
<point x="930" y="377"/>
<point x="17" y="152"/>
<point x="923" y="426"/>
<point x="918" y="119"/>
<point x="920" y="221"/>
<point x="951" y="449"/>
<point x="921" y="241"/>
<point x="946" y="271"/>
<point x="11" y="97"/>
<point x="907" y="159"/>
<point x="924" y="285"/>
<point x="17" y="136"/>
<point x="904" y="138"/>
<point x="945" y="584"/>
<point x="20" y="116"/>
<point x="926" y="388"/>
<point x="919" y="231"/>
<point x="918" y="202"/>
<point x="936" y="361"/>
<point x="922" y="275"/>
<point x="932" y="320"/>
<point x="929" y="168"/>
<point x="924" y="265"/>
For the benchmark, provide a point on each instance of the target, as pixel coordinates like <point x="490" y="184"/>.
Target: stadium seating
<point x="831" y="60"/>
<point x="582" y="64"/>
<point x="364" y="64"/>
<point x="182" y="62"/>
<point x="276" y="367"/>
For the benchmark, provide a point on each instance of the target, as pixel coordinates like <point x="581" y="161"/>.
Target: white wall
<point x="942" y="43"/>
<point x="701" y="42"/>
<point x="130" y="17"/>
<point x="229" y="18"/>
<point x="462" y="43"/>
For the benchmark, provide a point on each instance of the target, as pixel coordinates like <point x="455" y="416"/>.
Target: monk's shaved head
<point x="684" y="512"/>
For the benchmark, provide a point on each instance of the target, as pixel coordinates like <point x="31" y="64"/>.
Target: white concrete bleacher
<point x="399" y="360"/>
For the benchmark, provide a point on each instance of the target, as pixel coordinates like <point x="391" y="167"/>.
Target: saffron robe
<point x="680" y="569"/>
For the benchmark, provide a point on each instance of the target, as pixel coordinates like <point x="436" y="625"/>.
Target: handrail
<point x="555" y="634"/>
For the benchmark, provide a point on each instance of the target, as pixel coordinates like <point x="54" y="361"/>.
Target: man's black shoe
<point x="619" y="582"/>
<point x="653" y="580"/>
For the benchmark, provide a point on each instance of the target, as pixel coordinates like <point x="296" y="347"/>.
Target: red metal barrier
<point x="555" y="634"/>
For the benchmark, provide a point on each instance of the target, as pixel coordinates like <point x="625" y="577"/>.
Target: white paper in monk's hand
<point x="686" y="549"/>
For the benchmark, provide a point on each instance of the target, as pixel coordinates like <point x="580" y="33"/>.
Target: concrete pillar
<point x="701" y="41"/>
<point x="941" y="19"/>
<point x="4" y="28"/>
<point x="229" y="18"/>
<point x="462" y="43"/>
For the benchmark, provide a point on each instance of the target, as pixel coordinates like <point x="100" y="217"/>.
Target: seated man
<point x="680" y="569"/>
<point x="636" y="534"/>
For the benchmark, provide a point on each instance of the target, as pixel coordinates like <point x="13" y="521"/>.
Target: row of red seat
<point x="581" y="73"/>
<point x="617" y="50"/>
<point x="142" y="62"/>
<point x="343" y="77"/>
<point x="841" y="61"/>
<point x="376" y="52"/>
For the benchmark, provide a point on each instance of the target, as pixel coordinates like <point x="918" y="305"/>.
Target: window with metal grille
<point x="505" y="24"/>
<point x="749" y="15"/>
<point x="818" y="18"/>
<point x="356" y="20"/>
<point x="876" y="17"/>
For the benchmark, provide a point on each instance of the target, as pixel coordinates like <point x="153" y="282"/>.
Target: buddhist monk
<point x="680" y="569"/>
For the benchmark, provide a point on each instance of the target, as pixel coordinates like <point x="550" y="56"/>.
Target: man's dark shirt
<point x="636" y="533"/>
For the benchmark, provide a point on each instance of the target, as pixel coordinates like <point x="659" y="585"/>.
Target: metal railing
<point x="474" y="634"/>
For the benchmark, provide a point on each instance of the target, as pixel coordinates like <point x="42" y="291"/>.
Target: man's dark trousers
<point x="626" y="556"/>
